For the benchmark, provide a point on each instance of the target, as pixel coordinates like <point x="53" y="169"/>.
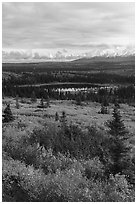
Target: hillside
<point x="118" y="65"/>
<point x="122" y="59"/>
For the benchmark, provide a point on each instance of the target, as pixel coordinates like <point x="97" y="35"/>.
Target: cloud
<point x="63" y="54"/>
<point x="16" y="55"/>
<point x="67" y="25"/>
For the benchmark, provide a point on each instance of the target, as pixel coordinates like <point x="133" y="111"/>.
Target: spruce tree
<point x="105" y="102"/>
<point x="116" y="125"/>
<point x="63" y="117"/>
<point x="116" y="104"/>
<point x="78" y="99"/>
<point x="56" y="116"/>
<point x="103" y="109"/>
<point x="42" y="103"/>
<point x="118" y="148"/>
<point x="8" y="114"/>
<point x="104" y="105"/>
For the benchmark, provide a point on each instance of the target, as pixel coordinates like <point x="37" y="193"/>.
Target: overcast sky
<point x="76" y="26"/>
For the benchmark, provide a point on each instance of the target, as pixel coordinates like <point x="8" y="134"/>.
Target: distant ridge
<point x="105" y="59"/>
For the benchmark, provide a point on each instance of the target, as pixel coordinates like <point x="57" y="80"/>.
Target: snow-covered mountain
<point x="111" y="52"/>
<point x="17" y="55"/>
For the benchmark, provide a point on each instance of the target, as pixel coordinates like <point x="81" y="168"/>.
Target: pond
<point x="69" y="87"/>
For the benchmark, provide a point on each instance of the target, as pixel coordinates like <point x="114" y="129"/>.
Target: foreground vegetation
<point x="56" y="160"/>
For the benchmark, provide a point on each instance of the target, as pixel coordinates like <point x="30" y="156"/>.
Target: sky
<point x="62" y="28"/>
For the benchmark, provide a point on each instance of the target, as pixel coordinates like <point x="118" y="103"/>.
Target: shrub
<point x="63" y="119"/>
<point x="19" y="180"/>
<point x="25" y="100"/>
<point x="70" y="138"/>
<point x="94" y="169"/>
<point x="50" y="163"/>
<point x="118" y="189"/>
<point x="78" y="100"/>
<point x="41" y="102"/>
<point x="56" y="116"/>
<point x="69" y="165"/>
<point x="32" y="185"/>
<point x="45" y="136"/>
<point x="15" y="143"/>
<point x="23" y="183"/>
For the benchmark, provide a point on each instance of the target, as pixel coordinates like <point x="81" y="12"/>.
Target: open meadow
<point x="84" y="115"/>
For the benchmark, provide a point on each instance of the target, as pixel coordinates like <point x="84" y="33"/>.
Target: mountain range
<point x="118" y="53"/>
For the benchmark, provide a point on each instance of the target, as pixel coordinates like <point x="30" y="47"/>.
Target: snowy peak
<point x="17" y="55"/>
<point x="118" y="51"/>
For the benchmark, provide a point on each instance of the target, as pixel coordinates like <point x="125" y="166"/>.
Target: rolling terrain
<point x="117" y="65"/>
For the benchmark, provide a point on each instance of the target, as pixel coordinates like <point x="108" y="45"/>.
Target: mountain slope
<point x="130" y="58"/>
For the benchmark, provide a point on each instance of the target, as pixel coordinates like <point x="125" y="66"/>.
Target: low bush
<point x="83" y="144"/>
<point x="15" y="144"/>
<point x="94" y="169"/>
<point x="33" y="185"/>
<point x="63" y="164"/>
<point x="118" y="189"/>
<point x="63" y="186"/>
<point x="50" y="163"/>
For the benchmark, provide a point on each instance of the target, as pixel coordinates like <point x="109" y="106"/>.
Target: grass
<point x="84" y="115"/>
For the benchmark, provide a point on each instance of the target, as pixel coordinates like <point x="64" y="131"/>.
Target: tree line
<point x="123" y="94"/>
<point x="67" y="76"/>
